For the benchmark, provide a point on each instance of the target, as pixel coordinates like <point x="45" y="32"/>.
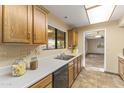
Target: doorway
<point x="95" y="50"/>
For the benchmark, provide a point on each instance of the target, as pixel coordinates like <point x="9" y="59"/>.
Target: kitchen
<point x="38" y="49"/>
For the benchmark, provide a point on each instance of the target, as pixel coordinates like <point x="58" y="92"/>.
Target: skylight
<point x="99" y="13"/>
<point x="91" y="6"/>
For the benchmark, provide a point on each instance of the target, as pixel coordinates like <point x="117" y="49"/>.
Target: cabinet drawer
<point x="43" y="83"/>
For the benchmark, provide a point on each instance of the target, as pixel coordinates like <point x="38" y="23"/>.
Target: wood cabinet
<point x="79" y="65"/>
<point x="71" y="73"/>
<point x="121" y="67"/>
<point x="44" y="83"/>
<point x="39" y="26"/>
<point x="16" y="23"/>
<point x="0" y="23"/>
<point x="75" y="68"/>
<point x="72" y="38"/>
<point x="23" y="24"/>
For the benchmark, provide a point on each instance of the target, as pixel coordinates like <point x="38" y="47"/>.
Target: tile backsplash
<point x="8" y="53"/>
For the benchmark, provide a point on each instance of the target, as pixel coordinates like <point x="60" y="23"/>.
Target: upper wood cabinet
<point x="39" y="26"/>
<point x="72" y="38"/>
<point x="23" y="24"/>
<point x="16" y="23"/>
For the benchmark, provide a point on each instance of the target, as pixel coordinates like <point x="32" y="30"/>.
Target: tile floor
<point x="96" y="79"/>
<point x="93" y="60"/>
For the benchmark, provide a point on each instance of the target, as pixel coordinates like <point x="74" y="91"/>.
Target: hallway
<point x="95" y="60"/>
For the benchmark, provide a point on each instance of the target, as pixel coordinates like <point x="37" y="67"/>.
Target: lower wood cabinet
<point x="79" y="64"/>
<point x="75" y="68"/>
<point x="71" y="73"/>
<point x="121" y="67"/>
<point x="44" y="83"/>
<point x="49" y="86"/>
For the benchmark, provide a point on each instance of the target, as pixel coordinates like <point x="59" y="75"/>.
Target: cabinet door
<point x="0" y="23"/>
<point x="121" y="69"/>
<point x="76" y="38"/>
<point x="79" y="66"/>
<point x="15" y="24"/>
<point x="75" y="68"/>
<point x="71" y="75"/>
<point x="39" y="26"/>
<point x="72" y="38"/>
<point x="46" y="82"/>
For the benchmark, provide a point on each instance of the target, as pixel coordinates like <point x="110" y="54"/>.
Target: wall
<point x="8" y="53"/>
<point x="86" y="46"/>
<point x="92" y="46"/>
<point x="56" y="22"/>
<point x="114" y="42"/>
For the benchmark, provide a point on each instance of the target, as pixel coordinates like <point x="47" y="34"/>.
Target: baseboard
<point x="95" y="53"/>
<point x="111" y="73"/>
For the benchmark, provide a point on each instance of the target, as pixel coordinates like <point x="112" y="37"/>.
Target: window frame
<point x="56" y="46"/>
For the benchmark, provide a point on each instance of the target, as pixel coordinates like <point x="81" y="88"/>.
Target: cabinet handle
<point x="11" y="33"/>
<point x="28" y="36"/>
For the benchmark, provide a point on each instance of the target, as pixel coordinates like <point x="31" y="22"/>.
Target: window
<point x="51" y="38"/>
<point x="56" y="38"/>
<point x="60" y="39"/>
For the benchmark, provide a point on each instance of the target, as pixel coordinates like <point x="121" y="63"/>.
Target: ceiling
<point x="75" y="15"/>
<point x="93" y="34"/>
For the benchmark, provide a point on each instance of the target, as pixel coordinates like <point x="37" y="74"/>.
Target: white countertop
<point x="46" y="66"/>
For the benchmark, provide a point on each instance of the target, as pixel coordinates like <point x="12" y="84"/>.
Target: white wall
<point x="114" y="42"/>
<point x="92" y="46"/>
<point x="86" y="46"/>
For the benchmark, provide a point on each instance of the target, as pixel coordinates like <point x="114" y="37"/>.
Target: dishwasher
<point x="60" y="77"/>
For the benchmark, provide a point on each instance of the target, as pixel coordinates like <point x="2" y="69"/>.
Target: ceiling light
<point x="98" y="36"/>
<point x="100" y="13"/>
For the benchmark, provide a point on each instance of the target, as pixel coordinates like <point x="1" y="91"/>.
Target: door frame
<point x="84" y="52"/>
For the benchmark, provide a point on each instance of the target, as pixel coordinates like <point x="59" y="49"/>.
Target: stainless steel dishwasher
<point x="60" y="77"/>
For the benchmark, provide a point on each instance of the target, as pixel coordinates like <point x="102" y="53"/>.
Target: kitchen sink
<point x="64" y="57"/>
